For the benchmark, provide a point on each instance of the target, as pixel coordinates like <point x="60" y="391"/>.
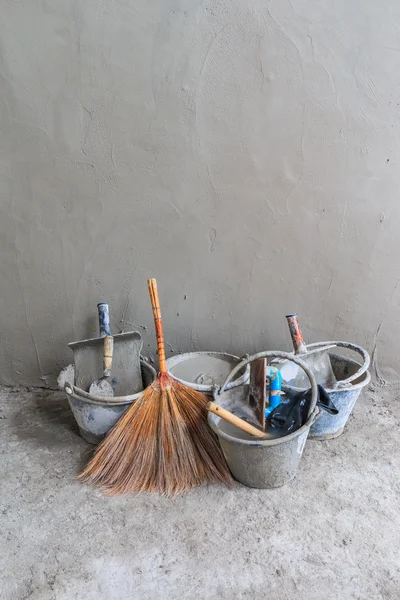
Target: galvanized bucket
<point x="96" y="415"/>
<point x="202" y="375"/>
<point x="351" y="377"/>
<point x="253" y="461"/>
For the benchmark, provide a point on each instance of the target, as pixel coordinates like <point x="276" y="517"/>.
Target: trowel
<point x="257" y="390"/>
<point x="103" y="386"/>
<point x="126" y="373"/>
<point x="317" y="359"/>
<point x="261" y="400"/>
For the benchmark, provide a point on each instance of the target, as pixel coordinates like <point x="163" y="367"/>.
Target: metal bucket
<point x="351" y="377"/>
<point x="202" y="371"/>
<point x="96" y="416"/>
<point x="255" y="462"/>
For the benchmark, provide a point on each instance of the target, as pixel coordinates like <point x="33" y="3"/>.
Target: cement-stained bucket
<point x="351" y="376"/>
<point x="202" y="371"/>
<point x="96" y="415"/>
<point x="257" y="462"/>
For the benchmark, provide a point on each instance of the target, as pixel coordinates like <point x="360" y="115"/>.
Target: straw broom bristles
<point x="162" y="443"/>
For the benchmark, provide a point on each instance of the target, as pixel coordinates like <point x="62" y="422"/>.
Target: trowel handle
<point x="234" y="420"/>
<point x="299" y="346"/>
<point x="104" y="319"/>
<point x="108" y="349"/>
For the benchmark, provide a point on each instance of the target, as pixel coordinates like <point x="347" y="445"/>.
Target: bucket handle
<point x="73" y="389"/>
<point x="277" y="354"/>
<point x="363" y="353"/>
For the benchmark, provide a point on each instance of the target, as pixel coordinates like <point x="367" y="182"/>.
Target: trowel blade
<point x="257" y="392"/>
<point x="102" y="387"/>
<point x="318" y="361"/>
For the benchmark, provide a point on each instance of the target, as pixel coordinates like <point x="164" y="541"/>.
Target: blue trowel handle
<point x="104" y="319"/>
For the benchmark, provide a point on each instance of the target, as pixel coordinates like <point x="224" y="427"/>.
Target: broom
<point x="162" y="443"/>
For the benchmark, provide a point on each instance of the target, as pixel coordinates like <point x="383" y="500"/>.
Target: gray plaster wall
<point x="244" y="152"/>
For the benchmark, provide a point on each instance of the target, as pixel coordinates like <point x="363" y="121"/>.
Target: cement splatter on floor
<point x="333" y="533"/>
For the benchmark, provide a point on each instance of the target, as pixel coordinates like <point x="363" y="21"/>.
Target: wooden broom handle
<point x="155" y="303"/>
<point x="234" y="420"/>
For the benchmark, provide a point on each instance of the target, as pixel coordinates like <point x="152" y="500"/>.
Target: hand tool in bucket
<point x="162" y="443"/>
<point x="103" y="386"/>
<point x="258" y="389"/>
<point x="317" y="359"/>
<point x="89" y="359"/>
<point x="261" y="432"/>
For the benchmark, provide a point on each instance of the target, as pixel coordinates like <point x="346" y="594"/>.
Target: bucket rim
<point x="208" y="388"/>
<point x="258" y="441"/>
<point x="366" y="378"/>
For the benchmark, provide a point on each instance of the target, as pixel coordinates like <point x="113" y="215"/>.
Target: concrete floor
<point x="333" y="533"/>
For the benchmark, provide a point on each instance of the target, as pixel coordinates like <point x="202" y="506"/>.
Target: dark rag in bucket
<point x="292" y="413"/>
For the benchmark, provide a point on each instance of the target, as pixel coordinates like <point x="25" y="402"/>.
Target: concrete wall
<point x="244" y="152"/>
